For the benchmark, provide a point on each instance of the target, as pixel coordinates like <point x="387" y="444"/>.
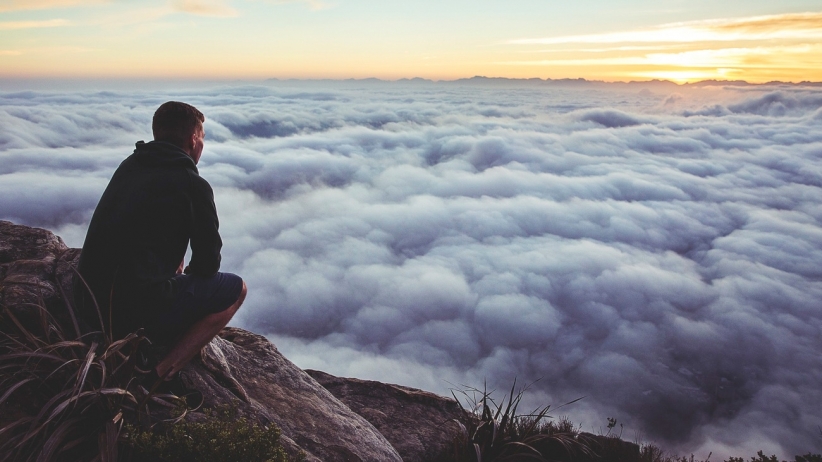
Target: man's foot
<point x="173" y="386"/>
<point x="147" y="357"/>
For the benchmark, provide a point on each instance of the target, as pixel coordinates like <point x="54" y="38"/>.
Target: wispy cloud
<point x="802" y="26"/>
<point x="147" y="15"/>
<point x="218" y="8"/>
<point x="15" y="5"/>
<point x="755" y="57"/>
<point x="13" y="25"/>
<point x="46" y="51"/>
<point x="154" y="14"/>
<point x="606" y="49"/>
<point x="751" y="48"/>
<point x="313" y="4"/>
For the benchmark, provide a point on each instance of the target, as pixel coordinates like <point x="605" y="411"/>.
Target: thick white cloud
<point x="656" y="251"/>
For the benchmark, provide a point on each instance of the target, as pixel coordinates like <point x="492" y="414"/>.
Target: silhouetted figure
<point x="155" y="205"/>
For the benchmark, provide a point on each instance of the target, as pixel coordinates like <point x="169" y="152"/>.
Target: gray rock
<point x="608" y="448"/>
<point x="420" y="425"/>
<point x="18" y="242"/>
<point x="247" y="370"/>
<point x="27" y="263"/>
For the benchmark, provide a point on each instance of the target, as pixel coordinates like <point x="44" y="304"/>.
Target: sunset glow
<point x="757" y="49"/>
<point x="251" y="39"/>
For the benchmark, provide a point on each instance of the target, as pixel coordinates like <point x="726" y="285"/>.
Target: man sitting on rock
<point x="155" y="205"/>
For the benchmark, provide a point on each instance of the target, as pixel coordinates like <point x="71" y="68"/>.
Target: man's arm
<point x="205" y="236"/>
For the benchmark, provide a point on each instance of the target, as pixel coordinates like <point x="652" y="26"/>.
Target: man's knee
<point x="240" y="299"/>
<point x="242" y="293"/>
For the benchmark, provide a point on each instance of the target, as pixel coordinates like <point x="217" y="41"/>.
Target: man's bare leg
<point x="194" y="339"/>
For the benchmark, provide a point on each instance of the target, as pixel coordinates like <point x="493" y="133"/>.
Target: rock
<point x="18" y="242"/>
<point x="28" y="258"/>
<point x="247" y="369"/>
<point x="419" y="424"/>
<point x="608" y="448"/>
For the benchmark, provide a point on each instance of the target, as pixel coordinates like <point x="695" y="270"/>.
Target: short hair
<point x="174" y="122"/>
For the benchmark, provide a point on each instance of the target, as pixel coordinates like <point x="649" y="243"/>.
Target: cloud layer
<point x="657" y="253"/>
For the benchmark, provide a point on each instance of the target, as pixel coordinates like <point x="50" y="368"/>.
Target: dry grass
<point x="495" y="432"/>
<point x="66" y="395"/>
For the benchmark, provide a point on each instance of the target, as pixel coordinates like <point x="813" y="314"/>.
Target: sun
<point x="689" y="75"/>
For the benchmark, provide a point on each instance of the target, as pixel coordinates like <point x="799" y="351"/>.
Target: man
<point x="155" y="205"/>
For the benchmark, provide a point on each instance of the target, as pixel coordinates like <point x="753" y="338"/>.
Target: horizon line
<point x="475" y="78"/>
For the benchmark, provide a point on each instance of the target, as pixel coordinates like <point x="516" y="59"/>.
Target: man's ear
<point x="191" y="141"/>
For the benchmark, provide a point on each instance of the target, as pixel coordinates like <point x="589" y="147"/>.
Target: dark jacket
<point x="154" y="205"/>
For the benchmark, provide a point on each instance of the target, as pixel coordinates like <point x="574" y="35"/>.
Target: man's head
<point x="180" y="124"/>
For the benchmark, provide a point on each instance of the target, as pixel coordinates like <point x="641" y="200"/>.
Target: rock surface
<point x="419" y="424"/>
<point x="28" y="262"/>
<point x="245" y="367"/>
<point x="366" y="421"/>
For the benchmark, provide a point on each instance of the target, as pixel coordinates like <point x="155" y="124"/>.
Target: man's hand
<point x="182" y="265"/>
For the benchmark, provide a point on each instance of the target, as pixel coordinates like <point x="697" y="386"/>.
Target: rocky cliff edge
<point x="328" y="418"/>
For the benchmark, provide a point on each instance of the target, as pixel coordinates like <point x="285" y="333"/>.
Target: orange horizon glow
<point x="214" y="40"/>
<point x="757" y="49"/>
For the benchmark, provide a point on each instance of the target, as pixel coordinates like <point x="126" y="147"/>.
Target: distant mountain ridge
<point x="578" y="82"/>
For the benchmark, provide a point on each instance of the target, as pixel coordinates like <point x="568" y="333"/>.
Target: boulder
<point x="608" y="448"/>
<point x="28" y="260"/>
<point x="246" y="369"/>
<point x="421" y="426"/>
<point x="19" y="242"/>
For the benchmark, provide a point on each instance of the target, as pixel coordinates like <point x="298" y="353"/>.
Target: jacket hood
<point x="160" y="153"/>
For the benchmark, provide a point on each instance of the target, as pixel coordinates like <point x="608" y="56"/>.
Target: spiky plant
<point x="495" y="432"/>
<point x="65" y="394"/>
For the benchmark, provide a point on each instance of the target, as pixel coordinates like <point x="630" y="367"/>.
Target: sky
<point x="652" y="248"/>
<point x="679" y="40"/>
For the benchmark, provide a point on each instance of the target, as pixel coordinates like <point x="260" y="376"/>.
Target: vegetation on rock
<point x="221" y="437"/>
<point x="496" y="432"/>
<point x="66" y="395"/>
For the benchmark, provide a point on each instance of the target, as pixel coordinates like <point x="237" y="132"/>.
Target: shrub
<point x="220" y="437"/>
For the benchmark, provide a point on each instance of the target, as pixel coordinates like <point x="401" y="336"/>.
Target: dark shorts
<point x="195" y="298"/>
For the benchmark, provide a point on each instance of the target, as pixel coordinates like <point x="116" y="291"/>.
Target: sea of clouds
<point x="655" y="249"/>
